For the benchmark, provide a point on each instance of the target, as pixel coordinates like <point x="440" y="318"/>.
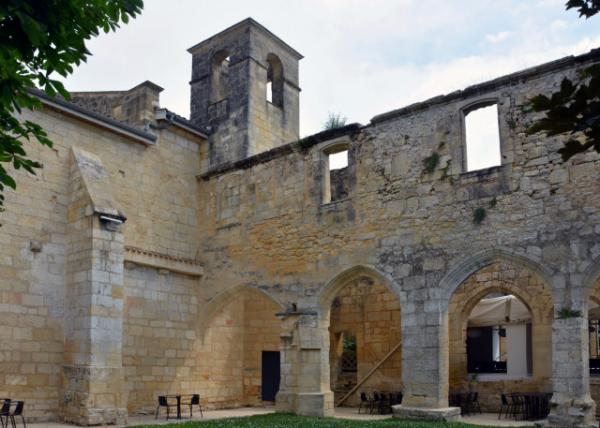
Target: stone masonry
<point x="155" y="254"/>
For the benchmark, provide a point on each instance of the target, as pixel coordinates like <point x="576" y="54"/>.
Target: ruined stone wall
<point x="416" y="227"/>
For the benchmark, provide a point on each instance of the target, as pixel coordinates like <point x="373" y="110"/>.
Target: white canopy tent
<point x="495" y="311"/>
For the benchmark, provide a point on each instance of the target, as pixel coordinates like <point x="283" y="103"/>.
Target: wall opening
<point x="220" y="76"/>
<point x="337" y="175"/>
<point x="274" y="86"/>
<point x="500" y="334"/>
<point x="482" y="138"/>
<point x="364" y="328"/>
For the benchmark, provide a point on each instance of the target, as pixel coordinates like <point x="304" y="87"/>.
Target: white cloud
<point x="360" y="61"/>
<point x="498" y="37"/>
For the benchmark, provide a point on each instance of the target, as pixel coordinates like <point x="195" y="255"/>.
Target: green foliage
<point x="350" y="343"/>
<point x="282" y="420"/>
<point x="431" y="162"/>
<point x="564" y="313"/>
<point x="574" y="110"/>
<point x="479" y="215"/>
<point x="334" y="120"/>
<point x="38" y="40"/>
<point x="586" y="8"/>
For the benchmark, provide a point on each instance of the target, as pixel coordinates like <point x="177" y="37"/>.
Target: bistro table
<point x="178" y="398"/>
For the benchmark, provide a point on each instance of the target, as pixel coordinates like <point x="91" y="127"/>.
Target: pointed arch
<point x="467" y="266"/>
<point x="223" y="298"/>
<point x="343" y="278"/>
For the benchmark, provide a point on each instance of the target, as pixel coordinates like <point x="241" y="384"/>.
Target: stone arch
<point x="275" y="80"/>
<point x="517" y="279"/>
<point x="234" y="330"/>
<point x="217" y="302"/>
<point x="467" y="266"/>
<point x="219" y="76"/>
<point x="360" y="306"/>
<point x="341" y="280"/>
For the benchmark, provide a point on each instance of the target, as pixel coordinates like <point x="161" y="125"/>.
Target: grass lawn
<point x="279" y="420"/>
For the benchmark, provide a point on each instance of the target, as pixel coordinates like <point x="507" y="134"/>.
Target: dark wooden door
<point x="270" y="375"/>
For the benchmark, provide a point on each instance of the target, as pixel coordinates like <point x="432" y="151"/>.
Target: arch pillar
<point x="304" y="387"/>
<point x="425" y="362"/>
<point x="572" y="403"/>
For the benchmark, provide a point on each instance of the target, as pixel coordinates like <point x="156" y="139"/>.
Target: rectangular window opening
<point x="337" y="175"/>
<point x="482" y="138"/>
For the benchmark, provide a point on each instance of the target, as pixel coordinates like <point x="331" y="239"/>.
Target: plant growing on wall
<point x="334" y="121"/>
<point x="430" y="163"/>
<point x="479" y="215"/>
<point x="564" y="313"/>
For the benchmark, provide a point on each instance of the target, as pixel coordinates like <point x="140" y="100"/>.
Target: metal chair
<point x="164" y="402"/>
<point x="5" y="412"/>
<point x="505" y="407"/>
<point x="365" y="400"/>
<point x="195" y="401"/>
<point x="18" y="411"/>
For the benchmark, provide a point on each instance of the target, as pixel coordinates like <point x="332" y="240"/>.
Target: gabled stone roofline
<point x="250" y="23"/>
<point x="94" y="118"/>
<point x="163" y="114"/>
<point x="146" y="83"/>
<point x="295" y="146"/>
<point x="491" y="85"/>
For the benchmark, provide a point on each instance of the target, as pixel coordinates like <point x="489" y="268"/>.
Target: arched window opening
<point x="274" y="85"/>
<point x="220" y="76"/>
<point x="499" y="337"/>
<point x="482" y="137"/>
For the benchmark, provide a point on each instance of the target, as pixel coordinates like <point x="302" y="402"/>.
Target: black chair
<point x="366" y="401"/>
<point x="164" y="402"/>
<point x="396" y="398"/>
<point x="505" y="407"/>
<point x="518" y="405"/>
<point x="474" y="402"/>
<point x="5" y="412"/>
<point x="195" y="401"/>
<point x="18" y="411"/>
<point x="383" y="407"/>
<point x="375" y="402"/>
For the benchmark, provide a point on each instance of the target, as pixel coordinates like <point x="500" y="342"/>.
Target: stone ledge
<point x="448" y="414"/>
<point x="156" y="260"/>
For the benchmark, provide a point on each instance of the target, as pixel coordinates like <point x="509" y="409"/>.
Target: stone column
<point x="425" y="364"/>
<point x="93" y="378"/>
<point x="572" y="404"/>
<point x="304" y="387"/>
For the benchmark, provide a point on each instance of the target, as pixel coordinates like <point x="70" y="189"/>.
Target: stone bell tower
<point x="244" y="91"/>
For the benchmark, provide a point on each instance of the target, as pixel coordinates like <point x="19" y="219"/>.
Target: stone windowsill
<point x="494" y="377"/>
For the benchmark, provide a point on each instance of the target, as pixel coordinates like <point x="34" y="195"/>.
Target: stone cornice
<point x="157" y="260"/>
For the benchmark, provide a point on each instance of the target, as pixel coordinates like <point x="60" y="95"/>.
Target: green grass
<point x="279" y="420"/>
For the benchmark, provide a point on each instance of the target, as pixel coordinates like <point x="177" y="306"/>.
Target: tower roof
<point x="250" y="23"/>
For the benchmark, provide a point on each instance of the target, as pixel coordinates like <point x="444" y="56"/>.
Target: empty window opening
<point x="482" y="138"/>
<point x="337" y="182"/>
<point x="220" y="76"/>
<point x="274" y="86"/>
<point x="338" y="160"/>
<point x="499" y="337"/>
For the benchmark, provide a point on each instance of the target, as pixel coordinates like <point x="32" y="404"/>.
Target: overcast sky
<point x="362" y="58"/>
